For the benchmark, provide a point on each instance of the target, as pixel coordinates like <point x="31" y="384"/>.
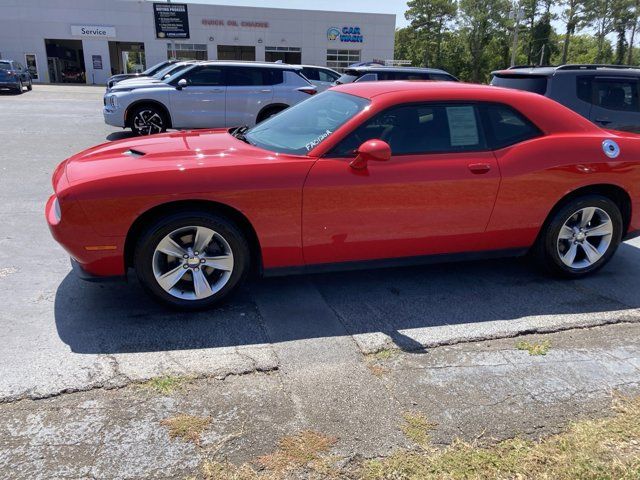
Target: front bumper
<point x="114" y="117"/>
<point x="95" y="255"/>
<point x="11" y="84"/>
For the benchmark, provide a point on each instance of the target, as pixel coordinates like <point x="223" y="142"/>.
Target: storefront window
<point x="292" y="55"/>
<point x="236" y="52"/>
<point x="341" y="59"/>
<point x="188" y="51"/>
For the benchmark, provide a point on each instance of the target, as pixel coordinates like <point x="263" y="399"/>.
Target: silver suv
<point x="207" y="95"/>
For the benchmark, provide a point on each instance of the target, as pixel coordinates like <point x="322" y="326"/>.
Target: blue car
<point x="14" y="76"/>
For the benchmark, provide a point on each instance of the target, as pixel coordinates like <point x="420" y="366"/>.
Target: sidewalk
<point x="348" y="405"/>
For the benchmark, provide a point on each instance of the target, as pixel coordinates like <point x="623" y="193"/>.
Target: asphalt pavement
<point x="60" y="334"/>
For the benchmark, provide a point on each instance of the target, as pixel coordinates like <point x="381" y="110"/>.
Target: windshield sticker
<point x="462" y="126"/>
<point x="314" y="143"/>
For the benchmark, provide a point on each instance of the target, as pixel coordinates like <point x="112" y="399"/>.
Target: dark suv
<point x="608" y="95"/>
<point x="376" y="73"/>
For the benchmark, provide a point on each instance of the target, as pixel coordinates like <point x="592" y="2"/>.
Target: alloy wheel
<point x="193" y="263"/>
<point x="585" y="237"/>
<point x="148" y="122"/>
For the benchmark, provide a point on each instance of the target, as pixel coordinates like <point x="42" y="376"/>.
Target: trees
<point x="573" y="16"/>
<point x="480" y="22"/>
<point x="428" y="18"/>
<point x="470" y="38"/>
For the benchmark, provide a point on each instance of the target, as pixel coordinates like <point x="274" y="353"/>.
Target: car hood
<point x="126" y="86"/>
<point x="169" y="152"/>
<point x="140" y="79"/>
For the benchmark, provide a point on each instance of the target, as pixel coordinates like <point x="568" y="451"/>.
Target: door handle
<point x="479" y="168"/>
<point x="265" y="90"/>
<point x="603" y="121"/>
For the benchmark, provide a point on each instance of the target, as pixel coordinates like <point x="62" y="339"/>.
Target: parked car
<point x="375" y="173"/>
<point x="163" y="74"/>
<point x="149" y="72"/>
<point x="321" y="77"/>
<point x="608" y="95"/>
<point x="208" y="95"/>
<point x="14" y="76"/>
<point x="73" y="74"/>
<point x="373" y="73"/>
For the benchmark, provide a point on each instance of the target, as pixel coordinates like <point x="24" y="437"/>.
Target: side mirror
<point x="182" y="83"/>
<point x="376" y="150"/>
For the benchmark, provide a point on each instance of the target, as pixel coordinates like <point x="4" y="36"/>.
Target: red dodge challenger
<point x="379" y="173"/>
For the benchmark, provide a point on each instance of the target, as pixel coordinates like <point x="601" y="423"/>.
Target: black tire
<point x="19" y="90"/>
<point x="546" y="250"/>
<point x="30" y="86"/>
<point x="153" y="114"/>
<point x="269" y="112"/>
<point x="149" y="240"/>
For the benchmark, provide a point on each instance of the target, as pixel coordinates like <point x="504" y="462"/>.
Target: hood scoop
<point x="134" y="153"/>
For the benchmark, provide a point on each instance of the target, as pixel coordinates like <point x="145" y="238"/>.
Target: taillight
<point x="308" y="90"/>
<point x="11" y="74"/>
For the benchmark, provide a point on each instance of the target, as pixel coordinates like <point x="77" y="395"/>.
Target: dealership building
<point x="86" y="41"/>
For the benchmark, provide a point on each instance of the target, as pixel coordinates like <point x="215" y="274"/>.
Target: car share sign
<point x="345" y="34"/>
<point x="93" y="31"/>
<point x="171" y="19"/>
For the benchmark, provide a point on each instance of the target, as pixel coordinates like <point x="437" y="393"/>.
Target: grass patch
<point x="296" y="451"/>
<point x="416" y="427"/>
<point x="541" y="348"/>
<point x="164" y="385"/>
<point x="604" y="449"/>
<point x="187" y="427"/>
<point x="384" y="354"/>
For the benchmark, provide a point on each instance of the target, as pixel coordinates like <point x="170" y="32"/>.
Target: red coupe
<point x="379" y="173"/>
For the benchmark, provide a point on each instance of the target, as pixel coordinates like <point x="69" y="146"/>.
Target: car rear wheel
<point x="30" y="86"/>
<point x="581" y="237"/>
<point x="19" y="90"/>
<point x="192" y="260"/>
<point x="148" y="120"/>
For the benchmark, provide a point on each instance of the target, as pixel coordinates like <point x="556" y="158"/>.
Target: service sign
<point x="171" y="19"/>
<point x="93" y="31"/>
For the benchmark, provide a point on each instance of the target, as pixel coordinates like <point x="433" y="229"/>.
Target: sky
<point x="371" y="6"/>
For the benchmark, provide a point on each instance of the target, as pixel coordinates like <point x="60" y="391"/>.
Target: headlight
<point x="112" y="101"/>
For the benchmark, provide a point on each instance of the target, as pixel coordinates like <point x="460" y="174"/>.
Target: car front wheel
<point x="581" y="237"/>
<point x="192" y="260"/>
<point x="148" y="120"/>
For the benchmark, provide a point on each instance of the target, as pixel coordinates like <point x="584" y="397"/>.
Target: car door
<point x="435" y="195"/>
<point x="201" y="103"/>
<point x="616" y="103"/>
<point x="249" y="90"/>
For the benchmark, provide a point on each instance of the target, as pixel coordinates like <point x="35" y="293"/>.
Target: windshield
<point x="5" y="66"/>
<point x="170" y="70"/>
<point x="300" y="128"/>
<point x="155" y="69"/>
<point x="346" y="78"/>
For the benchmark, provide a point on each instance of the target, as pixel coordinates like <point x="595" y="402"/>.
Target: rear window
<point x="247" y="76"/>
<point x="507" y="127"/>
<point x="529" y="83"/>
<point x="5" y="66"/>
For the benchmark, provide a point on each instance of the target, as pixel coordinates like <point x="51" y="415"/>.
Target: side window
<point x="616" y="94"/>
<point x="311" y="73"/>
<point x="250" y="76"/>
<point x="325" y="76"/>
<point x="584" y="87"/>
<point x="205" y="76"/>
<point x="506" y="127"/>
<point x="415" y="129"/>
